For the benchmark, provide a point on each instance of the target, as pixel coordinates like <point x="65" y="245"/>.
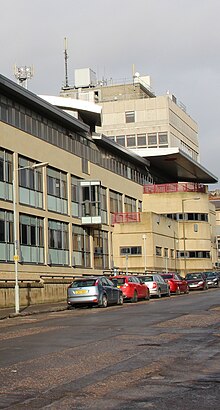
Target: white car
<point x="156" y="284"/>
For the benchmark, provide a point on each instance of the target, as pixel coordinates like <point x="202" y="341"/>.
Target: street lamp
<point x="16" y="256"/>
<point x="184" y="234"/>
<point x="144" y="237"/>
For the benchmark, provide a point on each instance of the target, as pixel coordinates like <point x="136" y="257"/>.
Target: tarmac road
<point x="161" y="354"/>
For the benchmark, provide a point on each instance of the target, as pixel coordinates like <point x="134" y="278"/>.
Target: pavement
<point x="6" y="313"/>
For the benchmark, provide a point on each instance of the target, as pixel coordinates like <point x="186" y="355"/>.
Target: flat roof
<point x="27" y="98"/>
<point x="174" y="165"/>
<point x="87" y="109"/>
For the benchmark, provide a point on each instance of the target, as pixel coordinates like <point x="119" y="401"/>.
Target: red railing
<point x="175" y="187"/>
<point x="124" y="217"/>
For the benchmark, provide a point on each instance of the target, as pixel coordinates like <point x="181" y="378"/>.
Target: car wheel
<point x="159" y="293"/>
<point x="120" y="300"/>
<point x="135" y="297"/>
<point x="147" y="297"/>
<point x="187" y="291"/>
<point x="104" y="301"/>
<point x="177" y="290"/>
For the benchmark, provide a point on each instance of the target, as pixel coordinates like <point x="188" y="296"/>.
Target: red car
<point x="132" y="288"/>
<point x="177" y="283"/>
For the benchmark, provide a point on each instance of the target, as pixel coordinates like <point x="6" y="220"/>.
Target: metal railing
<point x="125" y="217"/>
<point x="174" y="187"/>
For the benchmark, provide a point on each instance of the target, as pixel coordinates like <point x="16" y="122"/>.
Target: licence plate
<point x="81" y="292"/>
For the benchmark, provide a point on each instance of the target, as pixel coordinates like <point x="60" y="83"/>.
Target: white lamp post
<point x="144" y="237"/>
<point x="16" y="256"/>
<point x="184" y="234"/>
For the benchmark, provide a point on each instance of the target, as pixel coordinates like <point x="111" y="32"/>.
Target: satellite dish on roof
<point x="137" y="74"/>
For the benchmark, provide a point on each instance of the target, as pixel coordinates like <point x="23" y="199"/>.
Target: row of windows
<point x="190" y="216"/>
<point x="150" y="140"/>
<point x="165" y="252"/>
<point x="88" y="198"/>
<point x="31" y="234"/>
<point x="39" y="126"/>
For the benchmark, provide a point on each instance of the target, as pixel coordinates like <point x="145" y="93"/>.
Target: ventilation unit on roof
<point x="85" y="77"/>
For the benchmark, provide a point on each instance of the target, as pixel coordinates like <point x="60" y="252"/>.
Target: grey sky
<point x="176" y="42"/>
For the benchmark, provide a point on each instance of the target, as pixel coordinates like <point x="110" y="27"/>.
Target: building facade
<point x="135" y="117"/>
<point x="73" y="201"/>
<point x="66" y="187"/>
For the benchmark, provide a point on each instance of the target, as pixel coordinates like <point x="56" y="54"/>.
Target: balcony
<point x="125" y="217"/>
<point x="175" y="187"/>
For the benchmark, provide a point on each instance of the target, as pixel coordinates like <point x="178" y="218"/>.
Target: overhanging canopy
<point x="174" y="165"/>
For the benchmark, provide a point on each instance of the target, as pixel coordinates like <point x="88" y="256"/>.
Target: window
<point x="115" y="202"/>
<point x="6" y="175"/>
<point x="81" y="247"/>
<point x="152" y="139"/>
<point x="121" y="140"/>
<point x="166" y="252"/>
<point x="31" y="239"/>
<point x="129" y="116"/>
<point x="91" y="199"/>
<point x="30" y="183"/>
<point x="131" y="141"/>
<point x="104" y="205"/>
<point x="57" y="191"/>
<point x="130" y="204"/>
<point x="100" y="246"/>
<point x="6" y="236"/>
<point x="58" y="242"/>
<point x="75" y="196"/>
<point x="141" y="140"/>
<point x="131" y="250"/>
<point x="194" y="254"/>
<point x="158" y="251"/>
<point x="162" y="137"/>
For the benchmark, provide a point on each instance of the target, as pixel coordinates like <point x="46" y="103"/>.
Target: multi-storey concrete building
<point x="72" y="187"/>
<point x="156" y="127"/>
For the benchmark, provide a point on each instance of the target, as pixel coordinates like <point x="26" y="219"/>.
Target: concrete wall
<point x="49" y="290"/>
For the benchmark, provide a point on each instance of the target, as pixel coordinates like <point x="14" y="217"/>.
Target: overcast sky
<point x="176" y="42"/>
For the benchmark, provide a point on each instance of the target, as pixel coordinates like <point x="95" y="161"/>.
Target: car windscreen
<point x="148" y="279"/>
<point x="167" y="276"/>
<point x="83" y="283"/>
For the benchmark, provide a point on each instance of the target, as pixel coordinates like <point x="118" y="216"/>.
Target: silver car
<point x="156" y="284"/>
<point x="94" y="290"/>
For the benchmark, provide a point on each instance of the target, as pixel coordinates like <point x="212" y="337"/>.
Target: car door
<point x="107" y="288"/>
<point x="180" y="283"/>
<point x="114" y="291"/>
<point x="162" y="284"/>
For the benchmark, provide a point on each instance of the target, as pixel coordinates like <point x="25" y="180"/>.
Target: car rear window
<point x="210" y="274"/>
<point x="83" y="283"/>
<point x="167" y="276"/>
<point x="118" y="281"/>
<point x="148" y="279"/>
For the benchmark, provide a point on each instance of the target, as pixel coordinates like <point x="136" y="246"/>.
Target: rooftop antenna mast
<point x="66" y="85"/>
<point x="23" y="74"/>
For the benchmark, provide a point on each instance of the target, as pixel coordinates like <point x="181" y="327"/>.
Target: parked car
<point x="94" y="290"/>
<point x="196" y="281"/>
<point x="177" y="283"/>
<point x="131" y="287"/>
<point x="213" y="279"/>
<point x="156" y="284"/>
